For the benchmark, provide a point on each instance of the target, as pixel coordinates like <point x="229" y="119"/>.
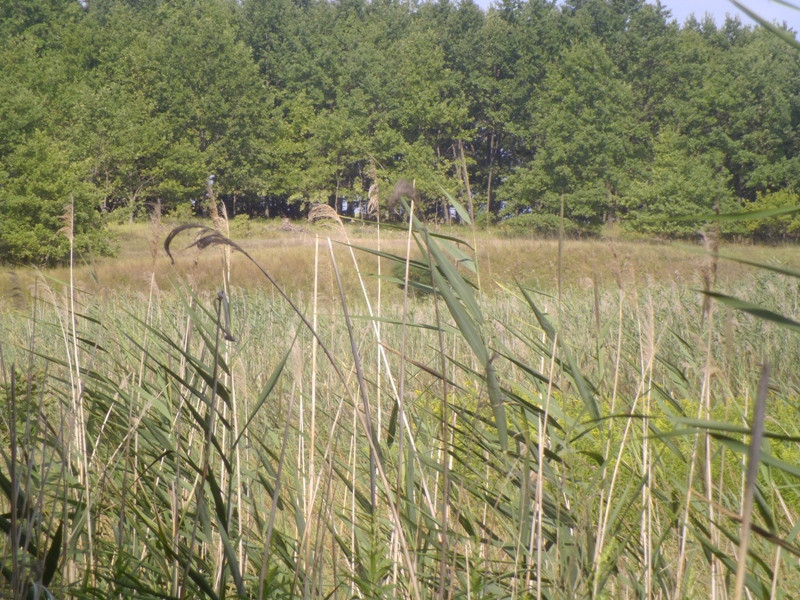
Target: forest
<point x="609" y="110"/>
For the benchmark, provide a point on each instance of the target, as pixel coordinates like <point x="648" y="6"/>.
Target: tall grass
<point x="225" y="441"/>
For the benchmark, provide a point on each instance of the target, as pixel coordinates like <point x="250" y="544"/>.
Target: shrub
<point x="240" y="225"/>
<point x="775" y="229"/>
<point x="543" y="225"/>
<point x="182" y="213"/>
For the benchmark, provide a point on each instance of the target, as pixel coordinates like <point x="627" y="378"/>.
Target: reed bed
<point x="212" y="437"/>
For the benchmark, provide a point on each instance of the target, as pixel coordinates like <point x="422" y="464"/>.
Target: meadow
<point x="284" y="413"/>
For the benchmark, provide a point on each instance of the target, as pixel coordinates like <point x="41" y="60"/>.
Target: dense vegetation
<point x="595" y="427"/>
<point x="610" y="105"/>
<point x="616" y="439"/>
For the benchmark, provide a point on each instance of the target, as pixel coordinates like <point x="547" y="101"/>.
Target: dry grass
<point x="289" y="257"/>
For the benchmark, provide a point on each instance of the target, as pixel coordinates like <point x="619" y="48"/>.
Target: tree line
<point x="605" y="111"/>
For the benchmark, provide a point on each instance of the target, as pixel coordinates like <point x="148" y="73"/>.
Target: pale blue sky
<point x="770" y="10"/>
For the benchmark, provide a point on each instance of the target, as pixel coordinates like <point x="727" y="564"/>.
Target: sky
<point x="768" y="9"/>
<point x="771" y="11"/>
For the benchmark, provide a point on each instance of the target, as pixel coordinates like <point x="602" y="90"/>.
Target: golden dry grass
<point x="289" y="257"/>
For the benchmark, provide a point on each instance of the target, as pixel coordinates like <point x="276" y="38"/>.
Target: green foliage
<point x="45" y="199"/>
<point x="419" y="278"/>
<point x="240" y="226"/>
<point x="291" y="103"/>
<point x="776" y="229"/>
<point x="682" y="183"/>
<point x="543" y="225"/>
<point x="587" y="139"/>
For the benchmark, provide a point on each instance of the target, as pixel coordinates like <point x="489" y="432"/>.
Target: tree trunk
<point x="466" y="181"/>
<point x="489" y="183"/>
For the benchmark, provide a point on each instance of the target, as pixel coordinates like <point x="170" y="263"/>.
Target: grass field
<point x="555" y="420"/>
<point x="289" y="256"/>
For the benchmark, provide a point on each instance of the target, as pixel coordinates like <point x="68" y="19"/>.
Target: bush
<point x="775" y="229"/>
<point x="182" y="213"/>
<point x="543" y="225"/>
<point x="240" y="226"/>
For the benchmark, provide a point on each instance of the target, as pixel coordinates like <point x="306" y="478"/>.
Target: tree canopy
<point x="111" y="106"/>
